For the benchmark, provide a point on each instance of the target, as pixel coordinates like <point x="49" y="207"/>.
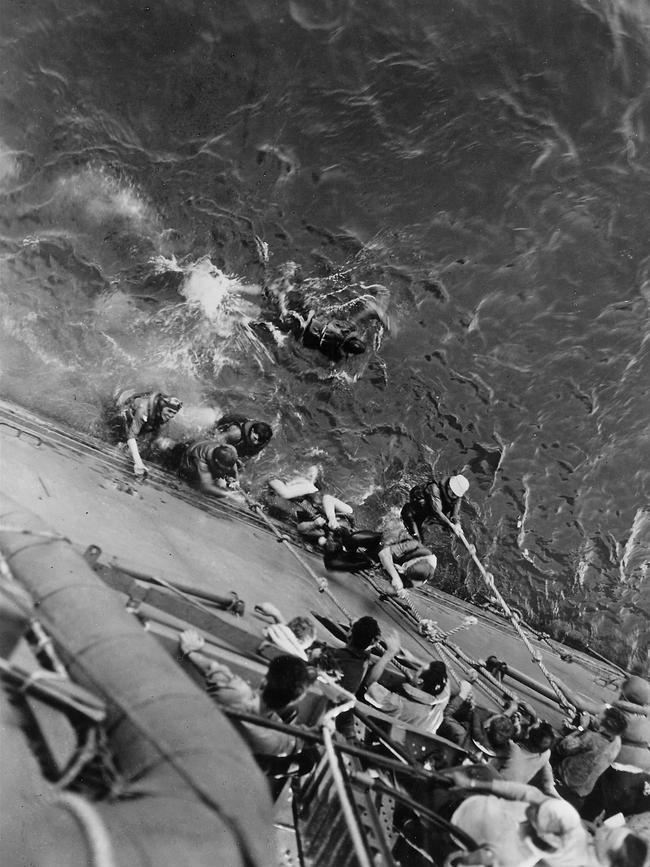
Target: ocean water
<point x="487" y="163"/>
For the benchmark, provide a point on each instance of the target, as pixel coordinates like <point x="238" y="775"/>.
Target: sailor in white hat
<point x="437" y="500"/>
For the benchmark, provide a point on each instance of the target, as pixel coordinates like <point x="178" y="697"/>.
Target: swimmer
<point x="139" y="414"/>
<point x="209" y="464"/>
<point x="435" y="501"/>
<point x="248" y="436"/>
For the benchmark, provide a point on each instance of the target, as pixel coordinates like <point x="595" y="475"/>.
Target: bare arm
<point x="331" y="506"/>
<point x="307" y="526"/>
<point x="392" y="648"/>
<point x="138" y="466"/>
<point x="290" y="490"/>
<point x="386" y="560"/>
<point x="432" y="496"/>
<point x="208" y="486"/>
<point x="503" y="788"/>
<point x="190" y="644"/>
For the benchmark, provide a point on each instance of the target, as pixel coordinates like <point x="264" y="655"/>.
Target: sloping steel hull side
<point x="200" y="797"/>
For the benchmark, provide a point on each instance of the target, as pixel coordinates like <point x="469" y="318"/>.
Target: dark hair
<point x="263" y="430"/>
<point x="614" y="720"/>
<point x="225" y="456"/>
<point x="500" y="729"/>
<point x="364" y="632"/>
<point x="632" y="852"/>
<point x="496" y="667"/>
<point x="286" y="680"/>
<point x="540" y="736"/>
<point x="434" y="678"/>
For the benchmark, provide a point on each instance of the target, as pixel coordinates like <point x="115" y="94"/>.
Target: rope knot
<point x="429" y="628"/>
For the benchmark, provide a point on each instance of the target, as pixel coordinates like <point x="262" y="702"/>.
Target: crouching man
<point x="286" y="682"/>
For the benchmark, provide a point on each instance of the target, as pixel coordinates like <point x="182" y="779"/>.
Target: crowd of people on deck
<point x="524" y="791"/>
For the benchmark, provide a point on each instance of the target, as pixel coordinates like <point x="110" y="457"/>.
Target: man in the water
<point x="435" y="501"/>
<point x="405" y="559"/>
<point x="335" y="336"/>
<point x="209" y="464"/>
<point x="248" y="436"/>
<point x="139" y="414"/>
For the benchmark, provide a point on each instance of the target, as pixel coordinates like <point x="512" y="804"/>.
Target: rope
<point x="323" y="586"/>
<point x="536" y="656"/>
<point x="471" y="669"/>
<point x="92" y="825"/>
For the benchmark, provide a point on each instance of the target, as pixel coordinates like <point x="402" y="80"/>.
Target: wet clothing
<point x="404" y="549"/>
<point x="425" y="501"/>
<point x="587" y="755"/>
<point x="351" y="551"/>
<point x="335" y="338"/>
<point x="192" y="459"/>
<point x="139" y="414"/>
<point x="245" y="447"/>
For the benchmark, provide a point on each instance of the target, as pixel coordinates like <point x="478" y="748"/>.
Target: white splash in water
<point x="219" y="296"/>
<point x="635" y="562"/>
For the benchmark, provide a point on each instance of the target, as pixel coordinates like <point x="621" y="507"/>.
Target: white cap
<point x="555" y="820"/>
<point x="458" y="485"/>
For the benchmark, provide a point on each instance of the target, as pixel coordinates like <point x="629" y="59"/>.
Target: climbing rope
<point x="321" y="582"/>
<point x="452" y="653"/>
<point x="536" y="656"/>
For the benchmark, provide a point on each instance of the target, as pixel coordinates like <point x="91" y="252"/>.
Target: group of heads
<point x="555" y="823"/>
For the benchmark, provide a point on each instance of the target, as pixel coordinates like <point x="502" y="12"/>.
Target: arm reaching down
<point x="386" y="560"/>
<point x="333" y="506"/>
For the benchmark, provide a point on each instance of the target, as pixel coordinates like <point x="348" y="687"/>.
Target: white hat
<point x="555" y="820"/>
<point x="458" y="485"/>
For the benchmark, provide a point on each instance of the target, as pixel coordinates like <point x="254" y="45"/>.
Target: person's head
<point x="636" y="690"/>
<point x="422" y="571"/>
<point x="353" y="345"/>
<point x="540" y="737"/>
<point x="620" y="847"/>
<point x="434" y="678"/>
<point x="304" y="630"/>
<point x="260" y="433"/>
<point x="553" y="821"/>
<point x="496" y="667"/>
<point x="457" y="486"/>
<point x="364" y="632"/>
<point x="225" y="460"/>
<point x="287" y="679"/>
<point x="499" y="730"/>
<point x="168" y="406"/>
<point x="613" y="721"/>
